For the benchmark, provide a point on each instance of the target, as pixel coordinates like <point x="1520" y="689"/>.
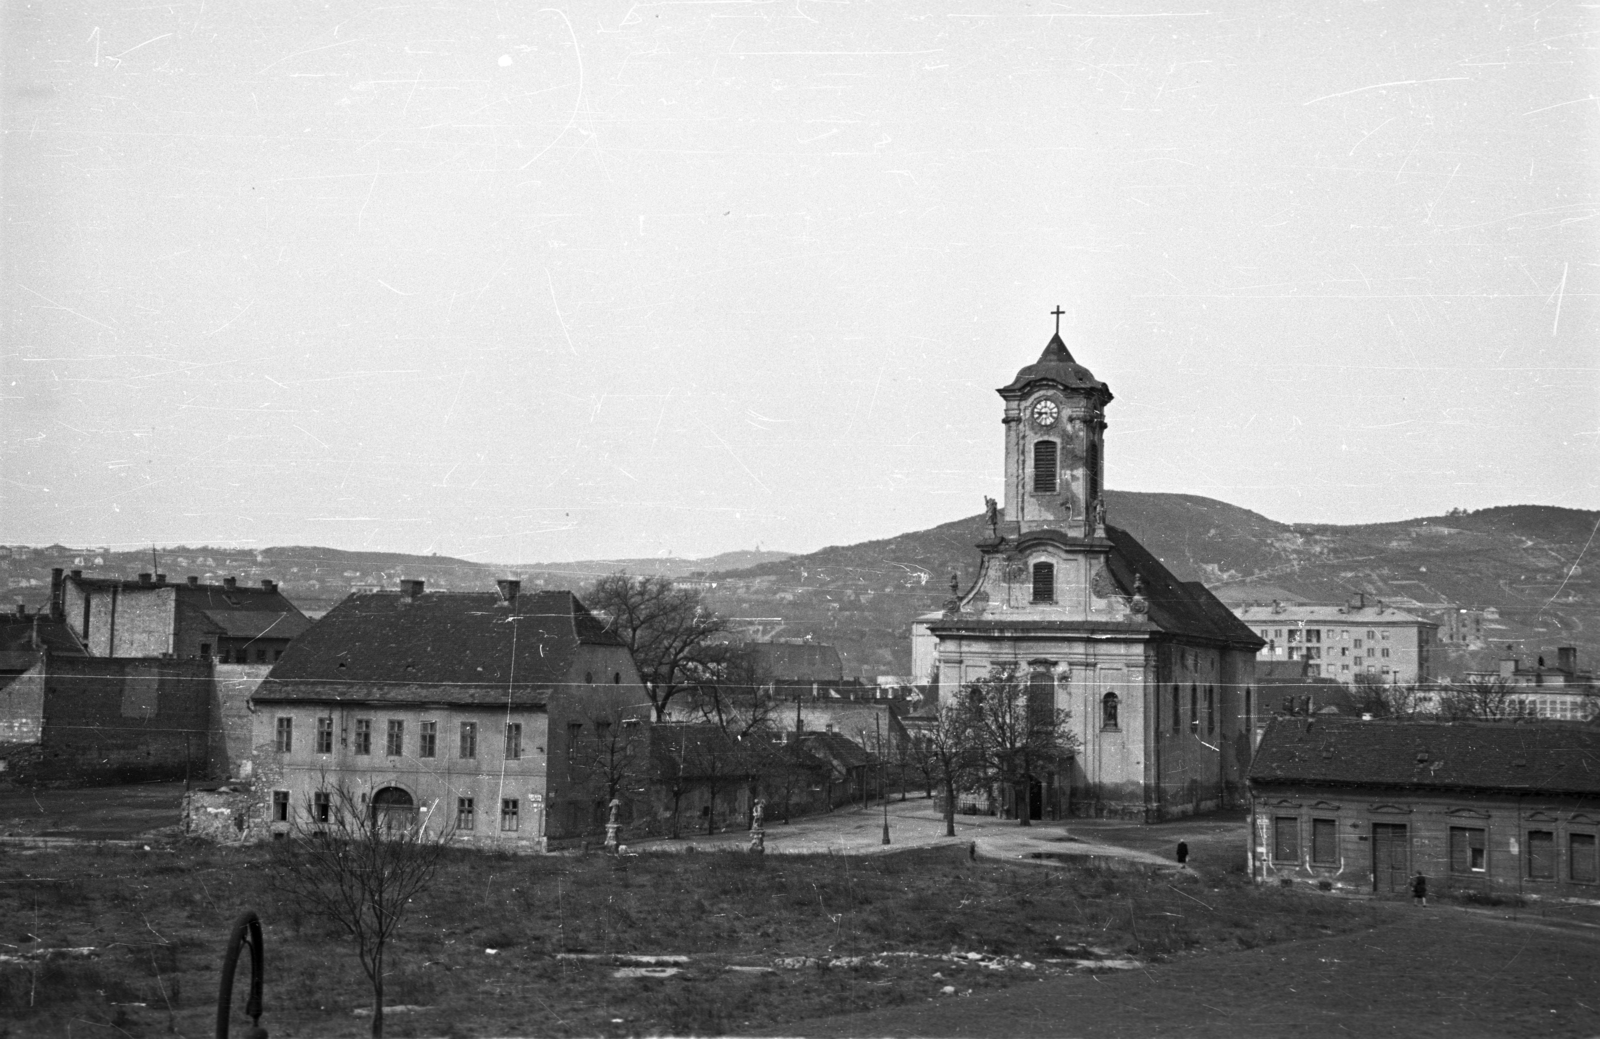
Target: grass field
<point x="877" y="932"/>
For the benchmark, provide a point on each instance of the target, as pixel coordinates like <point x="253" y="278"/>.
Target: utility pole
<point x="883" y="776"/>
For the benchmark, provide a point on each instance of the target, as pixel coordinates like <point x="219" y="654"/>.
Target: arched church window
<point x="1248" y="718"/>
<point x="1177" y="711"/>
<point x="1211" y="710"/>
<point x="1041" y="699"/>
<point x="1194" y="708"/>
<point x="1044" y="582"/>
<point x="1108" y="711"/>
<point x="1044" y="467"/>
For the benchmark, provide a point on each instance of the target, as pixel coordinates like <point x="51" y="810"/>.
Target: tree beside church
<point x="1156" y="674"/>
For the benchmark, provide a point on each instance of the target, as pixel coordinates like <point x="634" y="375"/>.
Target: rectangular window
<point x="428" y="742"/>
<point x="1358" y="643"/>
<point x="1325" y="842"/>
<point x="1581" y="864"/>
<point x="466" y="818"/>
<point x="1286" y="839"/>
<point x="261" y="656"/>
<point x="363" y="735"/>
<point x="513" y="741"/>
<point x="395" y="744"/>
<point x="285" y="735"/>
<point x="1313" y="634"/>
<point x="1044" y="582"/>
<point x="1194" y="708"/>
<point x="321" y="806"/>
<point x="205" y="651"/>
<point x="1294" y="636"/>
<point x="1371" y="635"/>
<point x="1044" y="467"/>
<point x="280" y="806"/>
<point x="324" y="735"/>
<point x="469" y="739"/>
<point x="1177" y="712"/>
<point x="1468" y="850"/>
<point x="1211" y="711"/>
<point x="1371" y="652"/>
<point x="1541" y="855"/>
<point x="510" y="822"/>
<point x="1386" y="651"/>
<point x="574" y="732"/>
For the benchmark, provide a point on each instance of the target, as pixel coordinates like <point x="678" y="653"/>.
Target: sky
<point x="515" y="282"/>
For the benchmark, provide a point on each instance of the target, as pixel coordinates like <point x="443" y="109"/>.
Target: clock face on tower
<point x="1045" y="413"/>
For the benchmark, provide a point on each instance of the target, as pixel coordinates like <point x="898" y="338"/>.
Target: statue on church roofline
<point x="1100" y="514"/>
<point x="991" y="515"/>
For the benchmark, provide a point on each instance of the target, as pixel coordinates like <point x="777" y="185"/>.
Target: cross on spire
<point x="1058" y="312"/>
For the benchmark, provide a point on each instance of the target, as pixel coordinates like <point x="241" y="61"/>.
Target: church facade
<point x="1157" y="674"/>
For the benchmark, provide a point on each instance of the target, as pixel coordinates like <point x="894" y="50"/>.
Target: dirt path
<point x="1435" y="972"/>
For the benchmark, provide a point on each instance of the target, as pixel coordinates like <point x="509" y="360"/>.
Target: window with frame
<point x="466" y="817"/>
<point x="1581" y="862"/>
<point x="321" y="806"/>
<point x="324" y="735"/>
<point x="427" y="739"/>
<point x="513" y="741"/>
<point x="363" y="735"/>
<point x="1044" y="582"/>
<point x="395" y="742"/>
<point x="1108" y="711"/>
<point x="280" y="806"/>
<point x="1194" y="708"/>
<point x="510" y="818"/>
<point x="1177" y="711"/>
<point x="1286" y="838"/>
<point x="1044" y="467"/>
<point x="285" y="743"/>
<point x="1325" y="842"/>
<point x="1541" y="855"/>
<point x="1211" y="710"/>
<point x="1469" y="849"/>
<point x="469" y="739"/>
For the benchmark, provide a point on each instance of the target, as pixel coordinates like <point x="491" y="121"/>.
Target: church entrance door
<point x="1035" y="799"/>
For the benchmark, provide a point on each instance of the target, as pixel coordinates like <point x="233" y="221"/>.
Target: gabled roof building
<point x="1157" y="673"/>
<point x="459" y="709"/>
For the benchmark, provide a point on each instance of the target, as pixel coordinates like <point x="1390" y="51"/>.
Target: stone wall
<point x="232" y="719"/>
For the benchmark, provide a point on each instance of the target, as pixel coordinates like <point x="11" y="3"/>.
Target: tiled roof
<point x="1176" y="607"/>
<point x="807" y="661"/>
<point x="1549" y="757"/>
<point x="16" y="635"/>
<point x="452" y="647"/>
<point x="254" y="624"/>
<point x="837" y="748"/>
<point x="1056" y="364"/>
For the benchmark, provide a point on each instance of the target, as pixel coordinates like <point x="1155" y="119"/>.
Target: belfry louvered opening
<point x="1044" y="467"/>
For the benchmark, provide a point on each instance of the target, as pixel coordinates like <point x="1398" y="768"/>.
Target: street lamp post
<point x="883" y="776"/>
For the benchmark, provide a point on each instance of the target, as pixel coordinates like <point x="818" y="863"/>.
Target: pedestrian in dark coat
<point x="1183" y="854"/>
<point x="1419" y="890"/>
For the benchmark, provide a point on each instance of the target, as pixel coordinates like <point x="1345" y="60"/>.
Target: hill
<point x="1518" y="563"/>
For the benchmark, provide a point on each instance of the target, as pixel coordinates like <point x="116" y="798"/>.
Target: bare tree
<point x="667" y="630"/>
<point x="613" y="754"/>
<point x="920" y="751"/>
<point x="360" y="866"/>
<point x="951" y="749"/>
<point x="1402" y="700"/>
<point x="729" y="689"/>
<point x="1016" y="734"/>
<point x="1484" y="698"/>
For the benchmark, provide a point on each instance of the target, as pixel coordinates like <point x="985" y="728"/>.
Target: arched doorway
<point x="393" y="809"/>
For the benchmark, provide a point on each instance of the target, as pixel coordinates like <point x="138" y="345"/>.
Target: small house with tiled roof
<point x="1351" y="805"/>
<point x="462" y="710"/>
<point x="1157" y="674"/>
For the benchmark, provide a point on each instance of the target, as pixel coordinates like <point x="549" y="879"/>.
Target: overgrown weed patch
<point x="159" y="920"/>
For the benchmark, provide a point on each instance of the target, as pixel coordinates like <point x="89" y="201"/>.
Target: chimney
<point x="268" y="586"/>
<point x="194" y="582"/>
<point x="144" y="578"/>
<point x="410" y="589"/>
<point x="1567" y="659"/>
<point x="22" y="609"/>
<point x="161" y="579"/>
<point x="230" y="583"/>
<point x="77" y="573"/>
<point x="1508" y="664"/>
<point x="56" y="609"/>
<point x="509" y="589"/>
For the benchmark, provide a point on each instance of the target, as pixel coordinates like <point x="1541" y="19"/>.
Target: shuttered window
<point x="1044" y="467"/>
<point x="1044" y="582"/>
<point x="1467" y="850"/>
<point x="1581" y="864"/>
<point x="1541" y="855"/>
<point x="1286" y="839"/>
<point x="1324" y="842"/>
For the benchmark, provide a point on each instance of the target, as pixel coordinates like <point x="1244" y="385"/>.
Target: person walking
<point x="1419" y="890"/>
<point x="1183" y="854"/>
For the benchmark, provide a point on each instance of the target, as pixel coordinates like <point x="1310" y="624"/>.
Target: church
<point x="1156" y="673"/>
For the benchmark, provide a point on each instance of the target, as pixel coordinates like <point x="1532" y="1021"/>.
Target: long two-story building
<point x="453" y="710"/>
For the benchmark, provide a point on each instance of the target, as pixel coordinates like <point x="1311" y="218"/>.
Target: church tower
<point x="1155" y="673"/>
<point x="1055" y="434"/>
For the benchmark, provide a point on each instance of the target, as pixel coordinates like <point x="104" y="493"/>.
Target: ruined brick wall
<point x="224" y="815"/>
<point x="120" y="720"/>
<point x="22" y="707"/>
<point x="231" y="720"/>
<point x="126" y="621"/>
